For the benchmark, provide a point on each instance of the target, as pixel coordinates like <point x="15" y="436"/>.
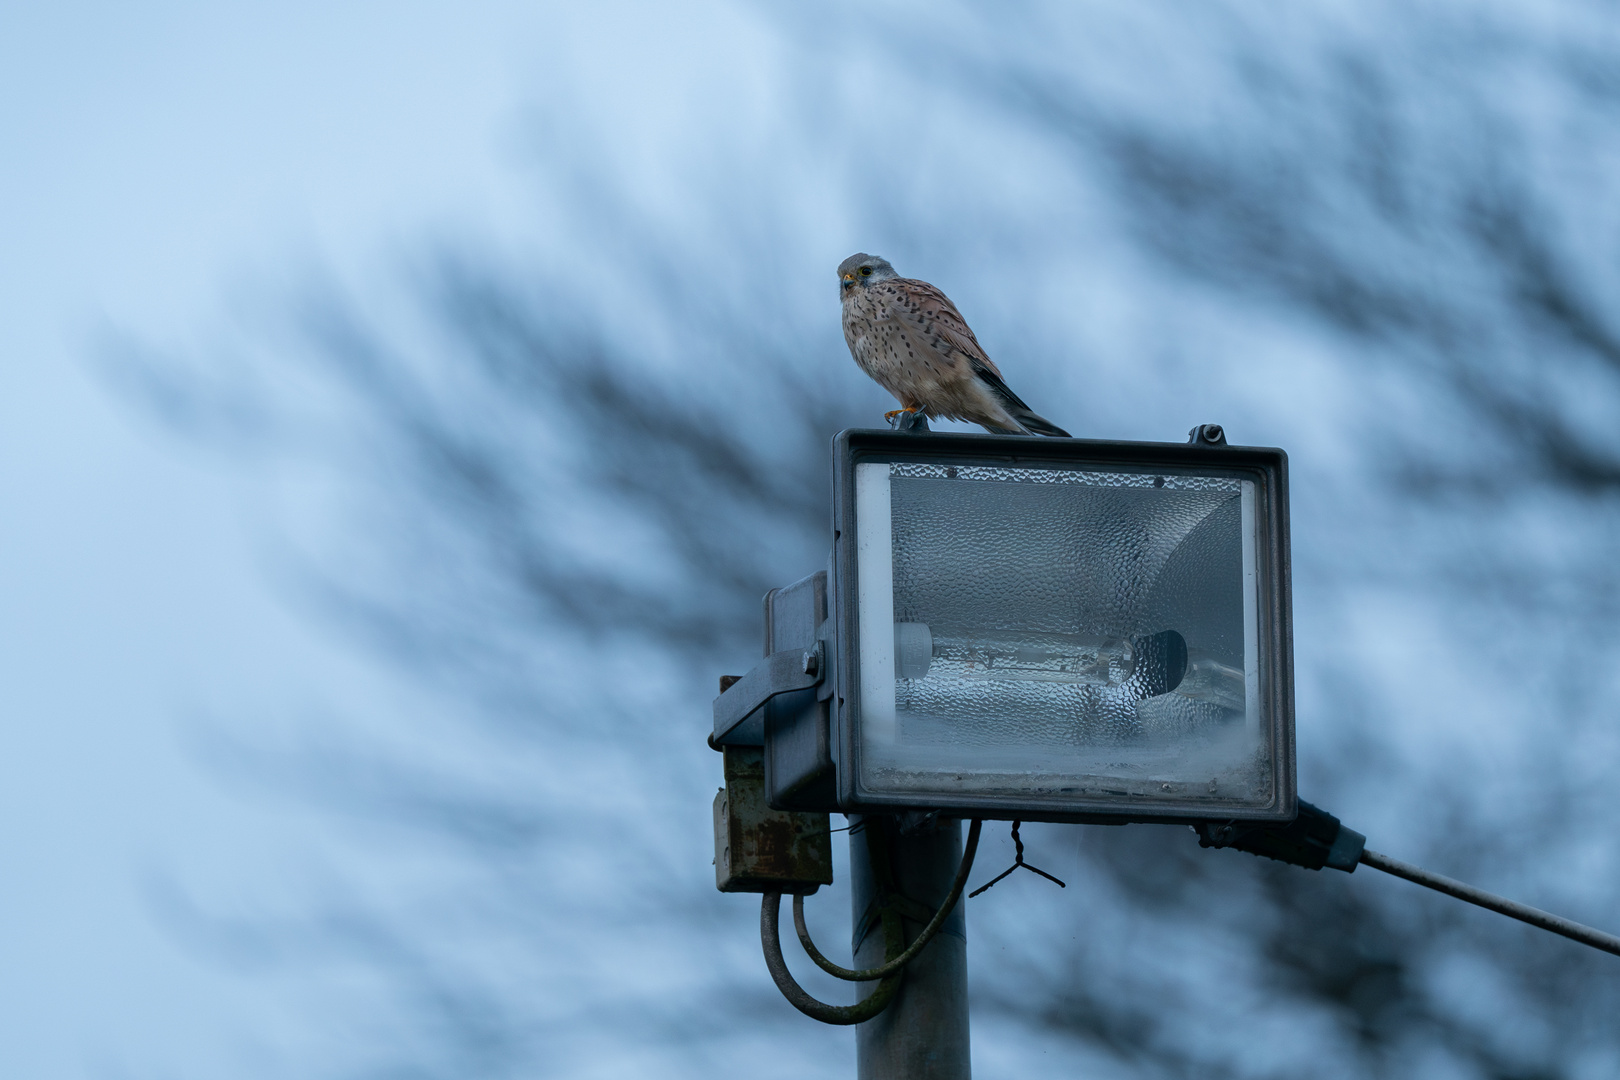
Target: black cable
<point x="895" y="964"/>
<point x="1491" y="902"/>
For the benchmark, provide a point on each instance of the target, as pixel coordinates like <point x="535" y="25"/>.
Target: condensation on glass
<point x="1064" y="633"/>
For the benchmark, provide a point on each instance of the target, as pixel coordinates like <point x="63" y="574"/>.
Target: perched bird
<point x="909" y="337"/>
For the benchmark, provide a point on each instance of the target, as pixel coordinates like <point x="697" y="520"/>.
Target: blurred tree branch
<point x="576" y="501"/>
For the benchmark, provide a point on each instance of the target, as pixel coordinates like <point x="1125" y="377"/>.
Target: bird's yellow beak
<point x="849" y="277"/>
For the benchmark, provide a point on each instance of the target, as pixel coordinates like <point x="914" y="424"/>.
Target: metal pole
<point x="923" y="1034"/>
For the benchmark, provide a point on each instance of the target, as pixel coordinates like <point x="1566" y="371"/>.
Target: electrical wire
<point x="896" y="963"/>
<point x="1586" y="935"/>
<point x="895" y="953"/>
<point x="770" y="913"/>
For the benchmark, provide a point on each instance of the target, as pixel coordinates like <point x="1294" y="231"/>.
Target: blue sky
<point x="172" y="172"/>
<point x="153" y="160"/>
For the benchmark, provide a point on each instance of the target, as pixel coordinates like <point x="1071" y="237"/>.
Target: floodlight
<point x="1026" y="628"/>
<point x="1044" y="629"/>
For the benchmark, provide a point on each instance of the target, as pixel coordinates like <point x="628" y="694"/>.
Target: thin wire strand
<point x="897" y="963"/>
<point x="1018" y="860"/>
<point x="1586" y="935"/>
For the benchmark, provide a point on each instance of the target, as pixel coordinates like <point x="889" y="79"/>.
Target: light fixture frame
<point x="1267" y="467"/>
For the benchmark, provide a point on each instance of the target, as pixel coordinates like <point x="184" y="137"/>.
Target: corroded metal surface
<point x="757" y="849"/>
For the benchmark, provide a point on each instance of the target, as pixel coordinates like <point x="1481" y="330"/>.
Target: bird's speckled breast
<point x="887" y="337"/>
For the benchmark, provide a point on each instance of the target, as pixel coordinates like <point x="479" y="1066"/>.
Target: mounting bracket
<point x="782" y="672"/>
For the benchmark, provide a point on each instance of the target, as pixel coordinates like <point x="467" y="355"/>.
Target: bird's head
<point x="861" y="270"/>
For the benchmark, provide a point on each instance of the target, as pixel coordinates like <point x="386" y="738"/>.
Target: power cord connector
<point x="1316" y="839"/>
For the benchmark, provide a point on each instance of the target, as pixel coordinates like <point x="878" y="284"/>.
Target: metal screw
<point x="1212" y="432"/>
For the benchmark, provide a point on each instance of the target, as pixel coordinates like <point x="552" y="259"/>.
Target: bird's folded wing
<point x="988" y="375"/>
<point x="933" y="310"/>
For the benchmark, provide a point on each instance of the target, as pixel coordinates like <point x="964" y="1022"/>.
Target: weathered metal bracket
<point x="780" y="673"/>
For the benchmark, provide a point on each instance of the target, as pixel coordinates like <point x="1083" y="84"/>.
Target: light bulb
<point x="1025" y="656"/>
<point x="1151" y="664"/>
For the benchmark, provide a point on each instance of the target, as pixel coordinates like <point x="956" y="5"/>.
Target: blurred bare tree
<point x="564" y="520"/>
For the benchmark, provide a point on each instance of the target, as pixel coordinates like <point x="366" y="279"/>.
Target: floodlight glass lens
<point x="1059" y="632"/>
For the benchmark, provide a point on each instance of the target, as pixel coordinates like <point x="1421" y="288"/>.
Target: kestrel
<point x="908" y="336"/>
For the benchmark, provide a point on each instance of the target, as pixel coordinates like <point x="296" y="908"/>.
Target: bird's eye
<point x="866" y="271"/>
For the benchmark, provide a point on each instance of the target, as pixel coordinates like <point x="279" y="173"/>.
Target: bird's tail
<point x="1036" y="424"/>
<point x="1028" y="420"/>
